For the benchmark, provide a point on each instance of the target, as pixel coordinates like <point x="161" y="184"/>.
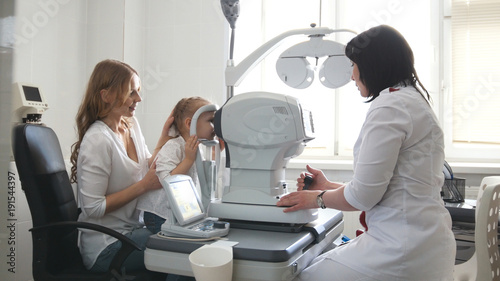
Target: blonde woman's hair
<point x="113" y="76"/>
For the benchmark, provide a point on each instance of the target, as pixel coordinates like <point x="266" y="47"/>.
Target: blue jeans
<point x="134" y="262"/>
<point x="153" y="222"/>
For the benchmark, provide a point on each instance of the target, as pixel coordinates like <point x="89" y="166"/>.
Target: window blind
<point x="475" y="27"/>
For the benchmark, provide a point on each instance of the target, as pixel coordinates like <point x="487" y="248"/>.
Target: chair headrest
<point x="43" y="145"/>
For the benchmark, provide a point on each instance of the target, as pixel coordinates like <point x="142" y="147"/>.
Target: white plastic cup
<point x="212" y="263"/>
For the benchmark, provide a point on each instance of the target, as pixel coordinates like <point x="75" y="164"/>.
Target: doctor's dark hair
<point x="109" y="75"/>
<point x="186" y="108"/>
<point x="384" y="60"/>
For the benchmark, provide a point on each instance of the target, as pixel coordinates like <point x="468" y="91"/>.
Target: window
<point x="472" y="83"/>
<point x="412" y="19"/>
<point x="261" y="21"/>
<point x="469" y="121"/>
<point x="338" y="114"/>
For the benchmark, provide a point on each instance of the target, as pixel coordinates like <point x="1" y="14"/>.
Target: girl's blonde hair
<point x="113" y="76"/>
<point x="186" y="108"/>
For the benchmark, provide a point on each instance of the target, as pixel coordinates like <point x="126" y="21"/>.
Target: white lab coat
<point x="398" y="160"/>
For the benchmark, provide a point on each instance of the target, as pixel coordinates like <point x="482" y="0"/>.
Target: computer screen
<point x="28" y="103"/>
<point x="32" y="93"/>
<point x="184" y="200"/>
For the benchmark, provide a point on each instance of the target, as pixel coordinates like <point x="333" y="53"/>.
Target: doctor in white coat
<point x="398" y="161"/>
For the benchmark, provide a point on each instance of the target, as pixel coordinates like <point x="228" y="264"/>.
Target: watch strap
<point x="319" y="200"/>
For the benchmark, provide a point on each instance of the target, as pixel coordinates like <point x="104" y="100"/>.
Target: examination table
<point x="258" y="254"/>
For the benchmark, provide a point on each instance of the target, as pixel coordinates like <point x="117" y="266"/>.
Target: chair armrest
<point x="128" y="245"/>
<point x="91" y="226"/>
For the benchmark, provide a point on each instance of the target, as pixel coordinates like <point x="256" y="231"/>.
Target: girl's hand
<point x="191" y="148"/>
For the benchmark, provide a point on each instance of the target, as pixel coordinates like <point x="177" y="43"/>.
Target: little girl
<point x="177" y="156"/>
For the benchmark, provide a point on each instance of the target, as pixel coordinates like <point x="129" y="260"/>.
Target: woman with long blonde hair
<point x="112" y="165"/>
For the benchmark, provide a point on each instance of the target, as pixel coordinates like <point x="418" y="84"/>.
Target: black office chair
<point x="54" y="212"/>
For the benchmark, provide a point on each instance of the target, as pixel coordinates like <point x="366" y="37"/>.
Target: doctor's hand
<point x="299" y="200"/>
<point x="319" y="179"/>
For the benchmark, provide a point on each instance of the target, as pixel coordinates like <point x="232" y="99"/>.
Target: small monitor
<point x="28" y="103"/>
<point x="32" y="93"/>
<point x="28" y="95"/>
<point x="183" y="199"/>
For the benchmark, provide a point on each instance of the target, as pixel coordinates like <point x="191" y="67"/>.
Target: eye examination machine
<point x="261" y="132"/>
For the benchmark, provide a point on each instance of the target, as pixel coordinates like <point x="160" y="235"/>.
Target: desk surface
<point x="259" y="245"/>
<point x="463" y="212"/>
<point x="252" y="244"/>
<point x="276" y="255"/>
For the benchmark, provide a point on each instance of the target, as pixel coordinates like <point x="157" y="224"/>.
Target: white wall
<point x="50" y="51"/>
<point x="178" y="47"/>
<point x="184" y="55"/>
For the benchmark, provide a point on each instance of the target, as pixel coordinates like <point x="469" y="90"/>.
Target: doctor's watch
<point x="319" y="200"/>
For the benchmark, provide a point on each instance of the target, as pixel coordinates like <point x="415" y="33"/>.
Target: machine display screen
<point x="32" y="94"/>
<point x="184" y="201"/>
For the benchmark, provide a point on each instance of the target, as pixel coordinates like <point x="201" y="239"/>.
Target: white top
<point x="169" y="157"/>
<point x="103" y="167"/>
<point x="398" y="175"/>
